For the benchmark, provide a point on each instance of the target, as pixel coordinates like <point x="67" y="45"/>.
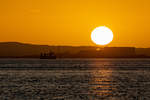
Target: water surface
<point x="75" y="79"/>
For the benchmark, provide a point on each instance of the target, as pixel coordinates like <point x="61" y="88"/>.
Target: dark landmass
<point x="22" y="50"/>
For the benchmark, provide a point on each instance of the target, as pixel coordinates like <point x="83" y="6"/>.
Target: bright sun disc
<point x="102" y="35"/>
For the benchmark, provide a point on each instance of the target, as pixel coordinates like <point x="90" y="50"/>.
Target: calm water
<point x="75" y="79"/>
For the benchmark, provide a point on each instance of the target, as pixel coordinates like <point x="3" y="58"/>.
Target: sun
<point x="102" y="35"/>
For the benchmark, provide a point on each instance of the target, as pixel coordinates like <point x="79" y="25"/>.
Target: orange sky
<point x="70" y="22"/>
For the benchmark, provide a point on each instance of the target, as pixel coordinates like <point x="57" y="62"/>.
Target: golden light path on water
<point x="101" y="84"/>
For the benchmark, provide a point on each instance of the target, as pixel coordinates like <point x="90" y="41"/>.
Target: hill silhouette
<point x="16" y="49"/>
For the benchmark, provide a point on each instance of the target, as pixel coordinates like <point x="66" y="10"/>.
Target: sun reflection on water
<point x="102" y="84"/>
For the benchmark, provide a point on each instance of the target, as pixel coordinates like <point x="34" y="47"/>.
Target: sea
<point x="75" y="79"/>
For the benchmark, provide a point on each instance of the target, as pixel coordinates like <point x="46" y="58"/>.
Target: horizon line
<point x="68" y="45"/>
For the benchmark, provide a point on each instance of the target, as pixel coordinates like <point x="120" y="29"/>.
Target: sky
<point x="70" y="22"/>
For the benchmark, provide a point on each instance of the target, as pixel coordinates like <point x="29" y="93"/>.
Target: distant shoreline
<point x="28" y="51"/>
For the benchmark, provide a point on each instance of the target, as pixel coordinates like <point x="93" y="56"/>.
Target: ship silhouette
<point x="50" y="55"/>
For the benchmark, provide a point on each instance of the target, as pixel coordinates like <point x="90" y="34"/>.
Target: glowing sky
<point x="70" y="22"/>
